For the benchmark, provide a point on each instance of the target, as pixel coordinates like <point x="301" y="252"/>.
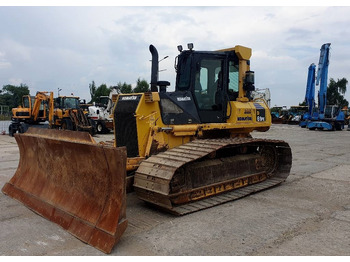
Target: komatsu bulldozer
<point x="180" y="151"/>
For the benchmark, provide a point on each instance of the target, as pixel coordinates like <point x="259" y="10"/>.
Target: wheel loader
<point x="181" y="151"/>
<point x="68" y="115"/>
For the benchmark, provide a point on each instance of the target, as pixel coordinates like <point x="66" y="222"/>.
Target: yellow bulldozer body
<point x="153" y="134"/>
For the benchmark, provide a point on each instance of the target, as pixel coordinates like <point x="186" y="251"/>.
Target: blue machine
<point x="309" y="95"/>
<point x="324" y="117"/>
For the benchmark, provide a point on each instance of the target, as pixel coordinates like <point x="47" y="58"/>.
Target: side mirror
<point x="249" y="81"/>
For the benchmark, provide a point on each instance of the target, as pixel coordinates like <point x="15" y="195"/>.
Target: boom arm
<point x="322" y="75"/>
<point x="310" y="88"/>
<point x="42" y="96"/>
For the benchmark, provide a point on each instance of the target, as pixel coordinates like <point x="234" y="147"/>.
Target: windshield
<point x="26" y="102"/>
<point x="104" y="101"/>
<point x="184" y="73"/>
<point x="71" y="103"/>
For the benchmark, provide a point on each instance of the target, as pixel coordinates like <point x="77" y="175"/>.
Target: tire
<point x="11" y="130"/>
<point x="338" y="126"/>
<point x="99" y="127"/>
<point x="93" y="127"/>
<point x="23" y="127"/>
<point x="67" y="124"/>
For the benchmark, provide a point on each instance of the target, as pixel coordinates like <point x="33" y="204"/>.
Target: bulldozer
<point x="180" y="151"/>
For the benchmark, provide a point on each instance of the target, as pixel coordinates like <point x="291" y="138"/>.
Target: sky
<point x="67" y="47"/>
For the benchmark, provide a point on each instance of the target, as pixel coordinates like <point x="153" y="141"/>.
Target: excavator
<point x="180" y="151"/>
<point x="62" y="112"/>
<point x="32" y="111"/>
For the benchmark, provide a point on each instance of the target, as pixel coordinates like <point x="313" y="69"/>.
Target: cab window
<point x="233" y="81"/>
<point x="26" y="102"/>
<point x="184" y="74"/>
<point x="208" y="81"/>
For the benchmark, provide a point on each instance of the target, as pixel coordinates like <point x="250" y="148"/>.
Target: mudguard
<point x="66" y="177"/>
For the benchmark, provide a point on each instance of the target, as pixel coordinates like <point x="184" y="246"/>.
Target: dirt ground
<point x="309" y="214"/>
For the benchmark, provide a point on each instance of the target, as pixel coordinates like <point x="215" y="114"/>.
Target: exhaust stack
<point x="155" y="68"/>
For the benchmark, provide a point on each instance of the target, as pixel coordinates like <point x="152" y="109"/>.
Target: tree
<point x="102" y="90"/>
<point x="336" y="91"/>
<point x="95" y="93"/>
<point x="92" y="88"/>
<point x="123" y="88"/>
<point x="11" y="95"/>
<point x="141" y="86"/>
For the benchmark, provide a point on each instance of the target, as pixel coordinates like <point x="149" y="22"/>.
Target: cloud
<point x="3" y="62"/>
<point x="68" y="47"/>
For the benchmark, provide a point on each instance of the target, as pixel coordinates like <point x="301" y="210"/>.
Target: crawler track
<point x="208" y="172"/>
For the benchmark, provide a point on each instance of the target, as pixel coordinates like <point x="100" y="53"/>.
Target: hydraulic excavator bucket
<point x="66" y="177"/>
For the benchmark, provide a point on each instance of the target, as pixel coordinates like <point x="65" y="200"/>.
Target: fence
<point x="4" y="127"/>
<point x="5" y="113"/>
<point x="5" y="116"/>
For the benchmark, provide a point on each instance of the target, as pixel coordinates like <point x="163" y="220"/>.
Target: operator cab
<point x="205" y="83"/>
<point x="28" y="102"/>
<point x="103" y="101"/>
<point x="212" y="79"/>
<point x="67" y="102"/>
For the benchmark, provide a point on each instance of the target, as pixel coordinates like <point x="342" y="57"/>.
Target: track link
<point x="155" y="179"/>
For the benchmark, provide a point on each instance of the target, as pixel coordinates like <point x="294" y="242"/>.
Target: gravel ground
<point x="309" y="214"/>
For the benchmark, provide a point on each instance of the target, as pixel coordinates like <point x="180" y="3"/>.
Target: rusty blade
<point x="69" y="179"/>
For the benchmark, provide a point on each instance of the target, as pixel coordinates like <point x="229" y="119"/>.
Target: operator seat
<point x="218" y="93"/>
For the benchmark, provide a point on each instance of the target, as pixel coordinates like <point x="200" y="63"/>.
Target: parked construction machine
<point x="180" y="151"/>
<point x="34" y="110"/>
<point x="309" y="96"/>
<point x="262" y="94"/>
<point x="102" y="112"/>
<point x="68" y="115"/>
<point x="61" y="113"/>
<point x="323" y="117"/>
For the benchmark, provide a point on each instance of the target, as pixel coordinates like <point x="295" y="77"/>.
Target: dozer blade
<point x="66" y="177"/>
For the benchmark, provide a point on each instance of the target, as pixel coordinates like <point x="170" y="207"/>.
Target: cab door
<point x="210" y="88"/>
